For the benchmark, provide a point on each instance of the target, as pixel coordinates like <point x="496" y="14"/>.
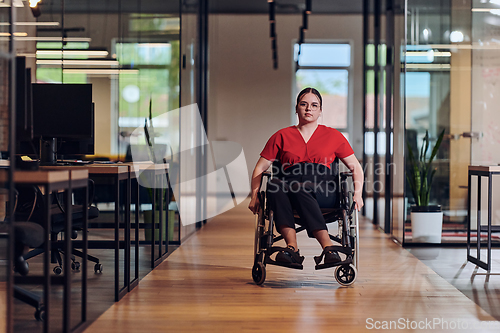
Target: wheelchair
<point x="347" y="237"/>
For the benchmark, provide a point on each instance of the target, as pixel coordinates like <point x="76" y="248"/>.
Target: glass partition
<point x="327" y="67"/>
<point x="5" y="88"/>
<point x="484" y="130"/>
<point x="452" y="56"/>
<point x="427" y="95"/>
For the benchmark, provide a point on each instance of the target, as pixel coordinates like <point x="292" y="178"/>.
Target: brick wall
<point x="4" y="111"/>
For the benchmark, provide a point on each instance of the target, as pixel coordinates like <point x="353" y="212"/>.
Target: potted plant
<point x="426" y="220"/>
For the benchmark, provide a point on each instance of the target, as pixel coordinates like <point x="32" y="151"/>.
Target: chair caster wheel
<point x="75" y="266"/>
<point x="98" y="268"/>
<point x="40" y="313"/>
<point x="345" y="274"/>
<point x="259" y="273"/>
<point x="58" y="270"/>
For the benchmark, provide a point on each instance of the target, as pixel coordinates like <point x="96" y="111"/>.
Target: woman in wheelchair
<point x="306" y="152"/>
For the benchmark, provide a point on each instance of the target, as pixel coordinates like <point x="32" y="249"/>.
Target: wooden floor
<point x="449" y="263"/>
<point x="206" y="286"/>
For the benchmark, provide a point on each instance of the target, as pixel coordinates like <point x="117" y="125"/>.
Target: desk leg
<point x="127" y="233"/>
<point x="153" y="219"/>
<point x="469" y="203"/>
<point x="117" y="239"/>
<point x="160" y="225"/>
<point x="479" y="178"/>
<point x="137" y="212"/>
<point x="167" y="220"/>
<point x="490" y="190"/>
<point x="67" y="263"/>
<point x="135" y="187"/>
<point x="85" y="253"/>
<point x="46" y="261"/>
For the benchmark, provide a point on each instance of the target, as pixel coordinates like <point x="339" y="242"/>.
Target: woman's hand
<point x="357" y="178"/>
<point x="262" y="165"/>
<point x="359" y="201"/>
<point x="254" y="203"/>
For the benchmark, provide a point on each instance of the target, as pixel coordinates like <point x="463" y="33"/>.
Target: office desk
<point x="52" y="181"/>
<point x="134" y="188"/>
<point x="116" y="173"/>
<point x="481" y="172"/>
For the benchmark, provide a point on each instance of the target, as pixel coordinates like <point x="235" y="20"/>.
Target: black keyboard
<point x="75" y="162"/>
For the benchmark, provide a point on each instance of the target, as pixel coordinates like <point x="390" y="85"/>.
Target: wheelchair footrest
<point x="296" y="265"/>
<point x="293" y="265"/>
<point x="333" y="264"/>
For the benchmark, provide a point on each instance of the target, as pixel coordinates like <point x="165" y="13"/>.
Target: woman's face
<point x="308" y="109"/>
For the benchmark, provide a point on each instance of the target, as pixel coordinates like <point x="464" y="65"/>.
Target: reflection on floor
<point x="3" y="305"/>
<point x="206" y="286"/>
<point x="100" y="286"/>
<point x="449" y="264"/>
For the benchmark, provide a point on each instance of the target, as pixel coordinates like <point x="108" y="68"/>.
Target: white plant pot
<point x="426" y="227"/>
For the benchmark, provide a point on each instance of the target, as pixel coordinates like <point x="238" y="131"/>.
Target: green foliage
<point x="420" y="175"/>
<point x="158" y="77"/>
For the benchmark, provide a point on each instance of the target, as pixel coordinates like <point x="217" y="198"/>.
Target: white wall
<point x="248" y="100"/>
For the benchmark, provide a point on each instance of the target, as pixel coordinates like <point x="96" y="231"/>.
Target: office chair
<point x="31" y="208"/>
<point x="27" y="235"/>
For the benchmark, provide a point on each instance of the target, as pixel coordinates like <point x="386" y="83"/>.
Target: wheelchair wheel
<point x="345" y="274"/>
<point x="259" y="273"/>
<point x="40" y="313"/>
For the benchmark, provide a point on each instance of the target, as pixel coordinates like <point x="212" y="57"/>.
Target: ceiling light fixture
<point x="425" y="54"/>
<point x="77" y="62"/>
<point x="429" y="66"/>
<point x="88" y="53"/>
<point x="35" y="9"/>
<point x="456" y="36"/>
<point x="99" y="71"/>
<point x="34" y="3"/>
<point x="52" y="24"/>
<point x="16" y="34"/>
<point x="54" y="39"/>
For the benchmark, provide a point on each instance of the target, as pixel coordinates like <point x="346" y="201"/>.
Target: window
<point x="326" y="67"/>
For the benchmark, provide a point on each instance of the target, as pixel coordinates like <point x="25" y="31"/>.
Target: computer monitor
<point x="24" y="111"/>
<point x="63" y="116"/>
<point x="62" y="110"/>
<point x="74" y="147"/>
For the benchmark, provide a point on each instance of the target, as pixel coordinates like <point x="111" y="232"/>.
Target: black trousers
<point x="305" y="188"/>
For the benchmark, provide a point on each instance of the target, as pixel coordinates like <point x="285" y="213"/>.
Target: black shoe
<point x="331" y="256"/>
<point x="286" y="256"/>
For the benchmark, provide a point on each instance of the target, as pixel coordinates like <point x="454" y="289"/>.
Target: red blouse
<point x="288" y="146"/>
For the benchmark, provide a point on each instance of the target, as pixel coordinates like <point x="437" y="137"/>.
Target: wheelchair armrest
<point x="344" y="175"/>
<point x="263" y="181"/>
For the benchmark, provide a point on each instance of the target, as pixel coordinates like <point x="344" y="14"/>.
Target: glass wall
<point x="327" y="67"/>
<point x="427" y="94"/>
<point x="451" y="59"/>
<point x="6" y="60"/>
